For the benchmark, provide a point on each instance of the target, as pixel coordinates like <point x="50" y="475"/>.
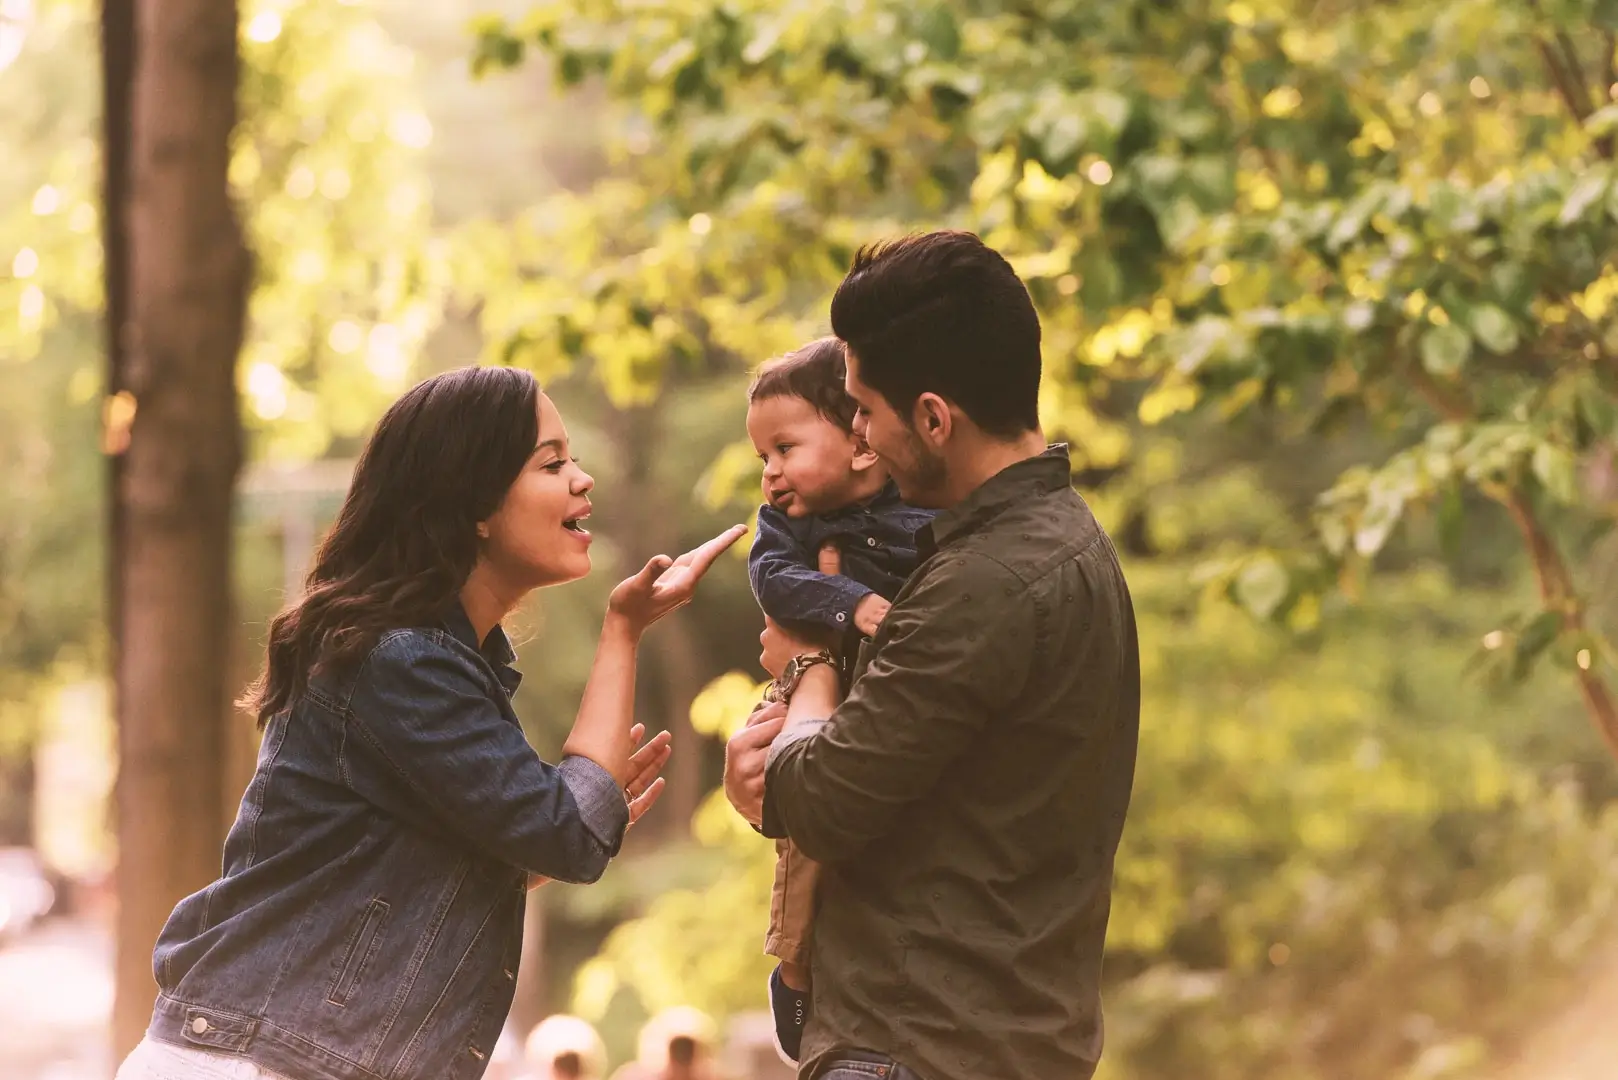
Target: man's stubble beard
<point x="926" y="470"/>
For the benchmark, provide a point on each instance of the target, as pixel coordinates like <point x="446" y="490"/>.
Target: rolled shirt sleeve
<point x="602" y="803"/>
<point x="954" y="652"/>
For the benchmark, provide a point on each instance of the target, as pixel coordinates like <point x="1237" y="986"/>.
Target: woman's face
<point x="537" y="537"/>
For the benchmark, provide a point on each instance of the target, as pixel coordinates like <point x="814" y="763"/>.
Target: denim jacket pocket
<point x="214" y="1029"/>
<point x="362" y="945"/>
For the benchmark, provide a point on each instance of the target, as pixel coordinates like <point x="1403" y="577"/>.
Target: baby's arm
<point x="873" y="606"/>
<point x="786" y="586"/>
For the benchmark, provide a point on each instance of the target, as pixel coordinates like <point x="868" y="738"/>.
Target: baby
<point x="821" y="484"/>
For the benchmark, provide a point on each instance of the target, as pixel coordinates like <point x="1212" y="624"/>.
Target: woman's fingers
<point x="699" y="558"/>
<point x="643" y="803"/>
<point x="642" y="770"/>
<point x="653" y="570"/>
<point x="645" y="764"/>
<point x="662" y="738"/>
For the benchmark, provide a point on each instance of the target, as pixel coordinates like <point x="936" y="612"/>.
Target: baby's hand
<point x="869" y="613"/>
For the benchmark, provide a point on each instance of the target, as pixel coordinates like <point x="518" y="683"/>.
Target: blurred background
<point x="1331" y="305"/>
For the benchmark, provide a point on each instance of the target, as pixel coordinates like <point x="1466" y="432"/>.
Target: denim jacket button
<point x="199" y="1025"/>
<point x="841" y="616"/>
<point x="870" y="541"/>
<point x="511" y="976"/>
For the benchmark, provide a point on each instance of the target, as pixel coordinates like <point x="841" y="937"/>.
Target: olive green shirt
<point x="966" y="800"/>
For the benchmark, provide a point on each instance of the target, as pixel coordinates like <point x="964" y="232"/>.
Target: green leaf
<point x="1510" y="282"/>
<point x="1533" y="640"/>
<point x="1261" y="585"/>
<point x="1451" y="521"/>
<point x="1445" y="349"/>
<point x="941" y="33"/>
<point x="1602" y="122"/>
<point x="1376" y="523"/>
<point x="1598" y="410"/>
<point x="1494" y="329"/>
<point x="1111" y="108"/>
<point x="1585" y="193"/>
<point x="1556" y="470"/>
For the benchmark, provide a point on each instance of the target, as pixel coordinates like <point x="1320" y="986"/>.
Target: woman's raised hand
<point x="665" y="584"/>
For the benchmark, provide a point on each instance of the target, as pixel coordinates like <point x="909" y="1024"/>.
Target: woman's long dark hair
<point x="440" y="460"/>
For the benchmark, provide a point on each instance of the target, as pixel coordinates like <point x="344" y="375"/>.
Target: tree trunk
<point x="187" y="278"/>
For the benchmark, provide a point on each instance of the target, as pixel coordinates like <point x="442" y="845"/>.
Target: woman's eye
<point x="557" y="465"/>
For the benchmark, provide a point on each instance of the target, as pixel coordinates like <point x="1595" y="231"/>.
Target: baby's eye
<point x="783" y="448"/>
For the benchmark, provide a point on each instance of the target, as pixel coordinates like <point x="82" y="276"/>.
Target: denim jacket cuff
<point x="602" y="806"/>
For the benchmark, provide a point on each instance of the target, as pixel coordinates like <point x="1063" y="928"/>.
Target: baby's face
<point x="808" y="460"/>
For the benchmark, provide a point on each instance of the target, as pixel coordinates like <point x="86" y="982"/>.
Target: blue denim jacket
<point x="878" y="545"/>
<point x="368" y="922"/>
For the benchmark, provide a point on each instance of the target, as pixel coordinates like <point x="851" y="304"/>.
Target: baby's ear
<point x="864" y="457"/>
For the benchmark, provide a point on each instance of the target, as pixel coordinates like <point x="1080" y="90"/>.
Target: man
<point x="967" y="798"/>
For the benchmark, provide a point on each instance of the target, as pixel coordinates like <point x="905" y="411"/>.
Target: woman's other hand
<point x="645" y="784"/>
<point x="665" y="584"/>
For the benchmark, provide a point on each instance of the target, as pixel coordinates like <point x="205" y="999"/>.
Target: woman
<point x="369" y="920"/>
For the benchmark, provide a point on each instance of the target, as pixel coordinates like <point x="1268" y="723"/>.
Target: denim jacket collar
<point x="496" y="648"/>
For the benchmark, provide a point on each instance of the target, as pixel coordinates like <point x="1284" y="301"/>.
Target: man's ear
<point x="933" y="419"/>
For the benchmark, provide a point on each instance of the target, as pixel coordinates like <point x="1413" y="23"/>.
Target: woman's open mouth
<point x="575" y="525"/>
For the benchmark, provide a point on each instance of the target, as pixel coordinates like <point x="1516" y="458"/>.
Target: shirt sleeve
<point x="426" y="714"/>
<point x="950" y="656"/>
<point x="786" y="586"/>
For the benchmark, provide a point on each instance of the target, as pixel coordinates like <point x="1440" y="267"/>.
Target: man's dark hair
<point x="943" y="313"/>
<point x="813" y="373"/>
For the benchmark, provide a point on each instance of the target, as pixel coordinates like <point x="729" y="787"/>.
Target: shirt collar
<point x="496" y="648"/>
<point x="1030" y="477"/>
<point x="887" y="496"/>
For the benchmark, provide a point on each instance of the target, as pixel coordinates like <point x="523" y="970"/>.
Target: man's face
<point x="917" y="468"/>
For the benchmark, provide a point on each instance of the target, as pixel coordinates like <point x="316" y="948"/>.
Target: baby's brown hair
<point x="813" y="373"/>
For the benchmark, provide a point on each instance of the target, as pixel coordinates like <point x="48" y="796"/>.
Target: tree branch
<point x="1609" y="64"/>
<point x="1571" y="93"/>
<point x="1556" y="591"/>
<point x="1575" y="69"/>
<point x="1571" y="90"/>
